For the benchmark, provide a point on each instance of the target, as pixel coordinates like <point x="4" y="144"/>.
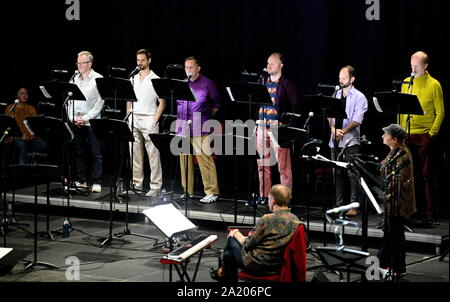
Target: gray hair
<point x="86" y="53"/>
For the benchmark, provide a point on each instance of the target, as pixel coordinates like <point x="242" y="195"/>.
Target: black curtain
<point x="317" y="38"/>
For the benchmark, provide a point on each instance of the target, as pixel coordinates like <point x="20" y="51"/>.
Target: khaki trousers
<point x="206" y="164"/>
<point x="143" y="126"/>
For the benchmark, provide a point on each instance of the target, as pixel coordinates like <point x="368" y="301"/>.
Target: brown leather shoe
<point x="351" y="213"/>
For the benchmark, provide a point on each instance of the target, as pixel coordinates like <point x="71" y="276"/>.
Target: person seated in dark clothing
<point x="260" y="253"/>
<point x="28" y="142"/>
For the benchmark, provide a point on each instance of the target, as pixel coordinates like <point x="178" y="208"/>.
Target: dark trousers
<point x="340" y="173"/>
<point x="85" y="135"/>
<point x="232" y="259"/>
<point x="419" y="144"/>
<point x="23" y="147"/>
<point x="393" y="250"/>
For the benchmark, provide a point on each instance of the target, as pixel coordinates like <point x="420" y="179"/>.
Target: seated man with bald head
<point x="260" y="253"/>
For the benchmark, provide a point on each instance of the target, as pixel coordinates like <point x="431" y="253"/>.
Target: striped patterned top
<point x="270" y="113"/>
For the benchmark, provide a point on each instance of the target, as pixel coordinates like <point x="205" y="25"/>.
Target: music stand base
<point x="32" y="264"/>
<point x="127" y="231"/>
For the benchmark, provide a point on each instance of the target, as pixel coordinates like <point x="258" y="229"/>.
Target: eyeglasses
<point x="81" y="63"/>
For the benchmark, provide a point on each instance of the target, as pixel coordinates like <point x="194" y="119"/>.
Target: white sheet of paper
<point x="230" y="94"/>
<point x="4" y="251"/>
<point x="45" y="92"/>
<point x="168" y="219"/>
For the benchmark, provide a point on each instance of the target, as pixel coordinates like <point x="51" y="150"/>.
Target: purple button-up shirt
<point x="355" y="107"/>
<point x="207" y="98"/>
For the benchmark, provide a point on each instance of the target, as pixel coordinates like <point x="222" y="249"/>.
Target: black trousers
<point x="393" y="251"/>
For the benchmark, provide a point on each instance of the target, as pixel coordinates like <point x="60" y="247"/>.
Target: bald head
<point x="419" y="63"/>
<point x="281" y="195"/>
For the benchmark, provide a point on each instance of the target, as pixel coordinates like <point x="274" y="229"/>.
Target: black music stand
<point x="398" y="103"/>
<point x="174" y="90"/>
<point x="115" y="90"/>
<point x="119" y="133"/>
<point x="118" y="90"/>
<point x="343" y="260"/>
<point x="40" y="174"/>
<point x="47" y="128"/>
<point x="8" y="128"/>
<point x="67" y="91"/>
<point x="250" y="94"/>
<point x="162" y="143"/>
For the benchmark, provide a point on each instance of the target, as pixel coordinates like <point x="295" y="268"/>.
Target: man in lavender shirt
<point x="345" y="133"/>
<point x="205" y="106"/>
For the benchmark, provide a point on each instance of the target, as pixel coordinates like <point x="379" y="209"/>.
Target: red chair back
<point x="294" y="267"/>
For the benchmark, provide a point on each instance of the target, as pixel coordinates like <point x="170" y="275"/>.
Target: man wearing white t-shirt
<point x="146" y="113"/>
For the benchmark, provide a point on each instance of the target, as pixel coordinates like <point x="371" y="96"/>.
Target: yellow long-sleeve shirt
<point x="429" y="93"/>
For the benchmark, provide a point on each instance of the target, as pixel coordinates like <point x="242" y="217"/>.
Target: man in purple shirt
<point x="344" y="140"/>
<point x="205" y="106"/>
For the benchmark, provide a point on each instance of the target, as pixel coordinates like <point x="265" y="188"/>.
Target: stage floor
<point x="136" y="259"/>
<point x="230" y="211"/>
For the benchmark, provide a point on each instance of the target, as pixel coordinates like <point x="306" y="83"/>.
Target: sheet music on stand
<point x="52" y="120"/>
<point x="323" y="158"/>
<point x="371" y="197"/>
<point x="168" y="219"/>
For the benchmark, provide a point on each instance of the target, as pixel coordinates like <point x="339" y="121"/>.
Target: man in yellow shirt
<point x="423" y="128"/>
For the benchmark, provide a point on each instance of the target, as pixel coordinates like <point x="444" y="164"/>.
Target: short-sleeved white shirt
<point x="147" y="99"/>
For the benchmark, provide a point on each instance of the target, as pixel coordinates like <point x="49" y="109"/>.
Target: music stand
<point x="40" y="174"/>
<point x="119" y="133"/>
<point x="50" y="127"/>
<point x="67" y="91"/>
<point x="120" y="90"/>
<point x="112" y="89"/>
<point x="398" y="103"/>
<point x="8" y="128"/>
<point x="343" y="260"/>
<point x="174" y="90"/>
<point x="251" y="94"/>
<point x="162" y="143"/>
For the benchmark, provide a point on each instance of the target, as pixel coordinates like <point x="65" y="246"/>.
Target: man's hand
<point x="337" y="134"/>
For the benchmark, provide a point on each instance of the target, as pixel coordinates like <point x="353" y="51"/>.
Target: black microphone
<point x="310" y="115"/>
<point x="246" y="73"/>
<point x="411" y="80"/>
<point x="118" y="69"/>
<point x="175" y="66"/>
<point x="189" y="78"/>
<point x="14" y="106"/>
<point x="74" y="75"/>
<point x="335" y="87"/>
<point x="364" y="140"/>
<point x="135" y="72"/>
<point x="292" y="114"/>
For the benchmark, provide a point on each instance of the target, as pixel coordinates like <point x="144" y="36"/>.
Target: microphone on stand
<point x="74" y="75"/>
<point x="411" y="80"/>
<point x="310" y="115"/>
<point x="13" y="108"/>
<point x="118" y="69"/>
<point x="135" y="71"/>
<point x="189" y="78"/>
<point x="364" y="140"/>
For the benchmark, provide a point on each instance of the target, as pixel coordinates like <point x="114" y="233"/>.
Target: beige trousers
<point x="143" y="126"/>
<point x="206" y="164"/>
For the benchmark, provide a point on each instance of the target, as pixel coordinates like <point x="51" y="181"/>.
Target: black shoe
<point x="214" y="273"/>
